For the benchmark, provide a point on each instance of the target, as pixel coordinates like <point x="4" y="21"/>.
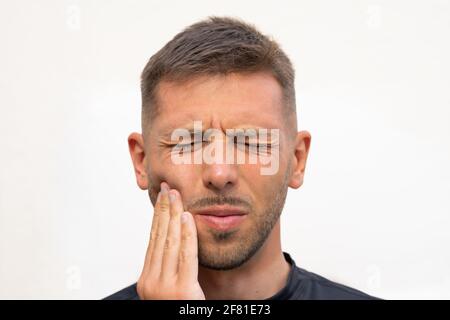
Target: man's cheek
<point x="177" y="176"/>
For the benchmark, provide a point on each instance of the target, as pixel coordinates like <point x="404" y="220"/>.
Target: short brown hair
<point x="215" y="46"/>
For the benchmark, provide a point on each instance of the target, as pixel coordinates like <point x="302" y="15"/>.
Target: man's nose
<point x="219" y="177"/>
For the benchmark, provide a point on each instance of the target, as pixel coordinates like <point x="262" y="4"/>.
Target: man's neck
<point x="261" y="277"/>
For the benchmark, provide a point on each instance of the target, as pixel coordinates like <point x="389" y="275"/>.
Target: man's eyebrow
<point x="236" y="130"/>
<point x="240" y="129"/>
<point x="167" y="134"/>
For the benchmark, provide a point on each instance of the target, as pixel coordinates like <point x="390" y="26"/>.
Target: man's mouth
<point x="221" y="217"/>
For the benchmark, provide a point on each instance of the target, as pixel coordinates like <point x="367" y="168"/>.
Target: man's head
<point x="227" y="75"/>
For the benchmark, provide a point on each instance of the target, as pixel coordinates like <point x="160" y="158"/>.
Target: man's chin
<point x="224" y="255"/>
<point x="220" y="263"/>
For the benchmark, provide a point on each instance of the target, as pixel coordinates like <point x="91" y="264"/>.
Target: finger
<point x="164" y="187"/>
<point x="188" y="259"/>
<point x="172" y="245"/>
<point x="151" y="242"/>
<point x="163" y="209"/>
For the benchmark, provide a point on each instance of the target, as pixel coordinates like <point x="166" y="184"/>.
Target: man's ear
<point x="137" y="152"/>
<point x="301" y="149"/>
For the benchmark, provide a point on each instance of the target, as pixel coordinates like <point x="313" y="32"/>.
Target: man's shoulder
<point x="316" y="287"/>
<point x="307" y="285"/>
<point x="128" y="293"/>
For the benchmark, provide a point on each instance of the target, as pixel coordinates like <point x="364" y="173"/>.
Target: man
<point x="215" y="232"/>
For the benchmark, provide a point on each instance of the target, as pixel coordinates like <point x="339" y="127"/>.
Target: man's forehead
<point x="233" y="93"/>
<point x="222" y="102"/>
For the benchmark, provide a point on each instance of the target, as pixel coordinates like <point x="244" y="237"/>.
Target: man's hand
<point x="171" y="264"/>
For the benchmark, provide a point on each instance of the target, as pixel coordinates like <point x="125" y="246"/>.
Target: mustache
<point x="219" y="200"/>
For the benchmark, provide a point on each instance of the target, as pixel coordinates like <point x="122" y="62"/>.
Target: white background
<point x="373" y="88"/>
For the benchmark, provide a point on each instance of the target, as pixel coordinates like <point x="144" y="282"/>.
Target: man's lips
<point x="221" y="211"/>
<point x="221" y="217"/>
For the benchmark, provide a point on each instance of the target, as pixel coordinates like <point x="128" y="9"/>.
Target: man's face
<point x="222" y="102"/>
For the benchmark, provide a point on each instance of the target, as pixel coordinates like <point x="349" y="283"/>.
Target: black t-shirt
<point x="300" y="285"/>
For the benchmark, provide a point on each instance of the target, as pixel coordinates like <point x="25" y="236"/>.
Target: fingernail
<point x="184" y="217"/>
<point x="164" y="189"/>
<point x="172" y="196"/>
